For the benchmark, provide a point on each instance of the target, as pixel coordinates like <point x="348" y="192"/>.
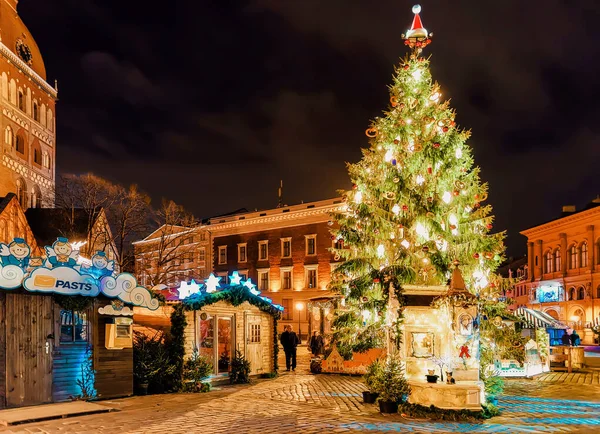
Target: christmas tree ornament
<point x="489" y="226"/>
<point x="404" y="207"/>
<point x="393" y="101"/>
<point x="476" y="255"/>
<point x="371" y="132"/>
<point x="390" y="195"/>
<point x="396" y="209"/>
<point x="396" y="180"/>
<point x="456" y="192"/>
<point x="330" y="223"/>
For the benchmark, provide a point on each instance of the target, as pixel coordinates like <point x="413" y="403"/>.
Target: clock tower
<point x="27" y="122"/>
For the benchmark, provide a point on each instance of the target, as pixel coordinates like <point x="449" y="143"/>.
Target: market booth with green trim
<point x="221" y="319"/>
<point x="65" y="325"/>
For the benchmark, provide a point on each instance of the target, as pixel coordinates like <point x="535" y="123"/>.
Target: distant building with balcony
<point x="562" y="275"/>
<point x="286" y="253"/>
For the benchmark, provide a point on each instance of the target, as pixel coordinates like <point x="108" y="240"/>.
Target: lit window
<point x="286" y="247"/>
<point x="222" y="255"/>
<point x="263" y="280"/>
<point x="202" y="254"/>
<point x="584" y="254"/>
<point x="73" y="326"/>
<point x="8" y="137"/>
<point x="548" y="264"/>
<point x="311" y="245"/>
<point x="263" y="250"/>
<point x="311" y="277"/>
<point x="557" y="261"/>
<point x="286" y="278"/>
<point x="242" y="252"/>
<point x="573" y="258"/>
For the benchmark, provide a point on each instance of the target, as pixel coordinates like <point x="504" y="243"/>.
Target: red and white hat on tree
<point x="417" y="37"/>
<point x="417" y="30"/>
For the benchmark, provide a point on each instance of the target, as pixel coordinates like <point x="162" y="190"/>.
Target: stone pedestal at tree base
<point x="462" y="395"/>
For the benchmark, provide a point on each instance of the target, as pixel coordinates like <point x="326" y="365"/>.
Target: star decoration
<point x="186" y="289"/>
<point x="252" y="287"/>
<point x="235" y="279"/>
<point x="212" y="283"/>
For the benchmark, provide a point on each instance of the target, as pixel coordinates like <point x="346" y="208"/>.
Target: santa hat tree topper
<point x="417" y="37"/>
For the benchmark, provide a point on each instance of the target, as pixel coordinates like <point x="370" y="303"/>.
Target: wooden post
<point x="569" y="367"/>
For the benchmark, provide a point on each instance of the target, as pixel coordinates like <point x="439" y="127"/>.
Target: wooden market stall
<point x="65" y="326"/>
<point x="221" y="320"/>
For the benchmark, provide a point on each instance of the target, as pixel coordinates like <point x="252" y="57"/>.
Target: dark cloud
<point x="211" y="103"/>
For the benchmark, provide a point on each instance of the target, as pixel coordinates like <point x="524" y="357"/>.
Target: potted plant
<point x="371" y="377"/>
<point x="431" y="376"/>
<point x="196" y="369"/>
<point x="391" y="386"/>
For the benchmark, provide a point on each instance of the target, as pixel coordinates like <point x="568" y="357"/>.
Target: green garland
<point x="436" y="413"/>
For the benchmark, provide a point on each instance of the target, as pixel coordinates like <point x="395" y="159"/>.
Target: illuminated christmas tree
<point x="417" y="208"/>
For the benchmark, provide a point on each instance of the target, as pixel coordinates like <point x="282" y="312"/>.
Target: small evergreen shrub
<point x="240" y="369"/>
<point x="196" y="369"/>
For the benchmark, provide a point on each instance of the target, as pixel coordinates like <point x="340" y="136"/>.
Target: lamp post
<point x="299" y="308"/>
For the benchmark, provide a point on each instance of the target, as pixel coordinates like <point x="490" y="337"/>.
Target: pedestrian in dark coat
<point x="575" y="339"/>
<point x="566" y="340"/>
<point x="316" y="344"/>
<point x="289" y="340"/>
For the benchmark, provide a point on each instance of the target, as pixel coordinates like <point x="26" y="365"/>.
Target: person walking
<point x="575" y="339"/>
<point x="566" y="340"/>
<point x="316" y="344"/>
<point x="289" y="340"/>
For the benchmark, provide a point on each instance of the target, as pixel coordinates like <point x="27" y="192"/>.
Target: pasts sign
<point x="62" y="272"/>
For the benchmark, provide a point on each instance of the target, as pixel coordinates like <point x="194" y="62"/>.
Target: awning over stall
<point x="538" y="319"/>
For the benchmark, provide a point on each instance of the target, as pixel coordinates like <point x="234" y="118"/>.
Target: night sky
<point x="211" y="102"/>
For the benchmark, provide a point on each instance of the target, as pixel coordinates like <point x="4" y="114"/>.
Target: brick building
<point x="562" y="275"/>
<point x="285" y="251"/>
<point x="27" y="121"/>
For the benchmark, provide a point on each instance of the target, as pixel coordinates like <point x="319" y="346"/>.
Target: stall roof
<point x="539" y="319"/>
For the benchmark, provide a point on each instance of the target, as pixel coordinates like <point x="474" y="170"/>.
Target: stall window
<point x="73" y="326"/>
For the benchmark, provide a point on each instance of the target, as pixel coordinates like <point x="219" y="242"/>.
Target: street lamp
<point x="299" y="308"/>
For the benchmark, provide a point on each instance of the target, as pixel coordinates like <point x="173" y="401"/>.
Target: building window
<point x="37" y="157"/>
<point x="263" y="250"/>
<point x="20" y="142"/>
<point x="311" y="276"/>
<point x="573" y="258"/>
<point x="21" y="101"/>
<point x="288" y="313"/>
<point x="243" y="274"/>
<point x="73" y="326"/>
<point x="549" y="261"/>
<point x="222" y="255"/>
<point x="286" y="278"/>
<point x="583" y="250"/>
<point x="286" y="247"/>
<point x="580" y="293"/>
<point x="201" y="256"/>
<point x="557" y="261"/>
<point x="263" y="280"/>
<point x="311" y="245"/>
<point x="572" y="294"/>
<point x="598" y="292"/>
<point x="242" y="253"/>
<point x="223" y="277"/>
<point x="36" y="197"/>
<point x="36" y="112"/>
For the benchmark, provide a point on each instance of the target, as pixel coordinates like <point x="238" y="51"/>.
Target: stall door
<point x="29" y="332"/>
<point x="254" y="346"/>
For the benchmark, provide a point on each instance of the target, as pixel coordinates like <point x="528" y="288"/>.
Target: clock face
<point x="23" y="51"/>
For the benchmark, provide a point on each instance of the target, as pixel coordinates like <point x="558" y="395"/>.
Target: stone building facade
<point x="28" y="121"/>
<point x="562" y="276"/>
<point x="285" y="251"/>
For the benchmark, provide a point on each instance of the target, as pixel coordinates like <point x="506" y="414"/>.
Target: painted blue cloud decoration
<point x="64" y="272"/>
<point x="125" y="288"/>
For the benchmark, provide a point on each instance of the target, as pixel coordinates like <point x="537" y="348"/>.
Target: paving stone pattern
<point x="298" y="402"/>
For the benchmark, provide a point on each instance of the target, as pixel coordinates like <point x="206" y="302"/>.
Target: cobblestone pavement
<point x="298" y="402"/>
